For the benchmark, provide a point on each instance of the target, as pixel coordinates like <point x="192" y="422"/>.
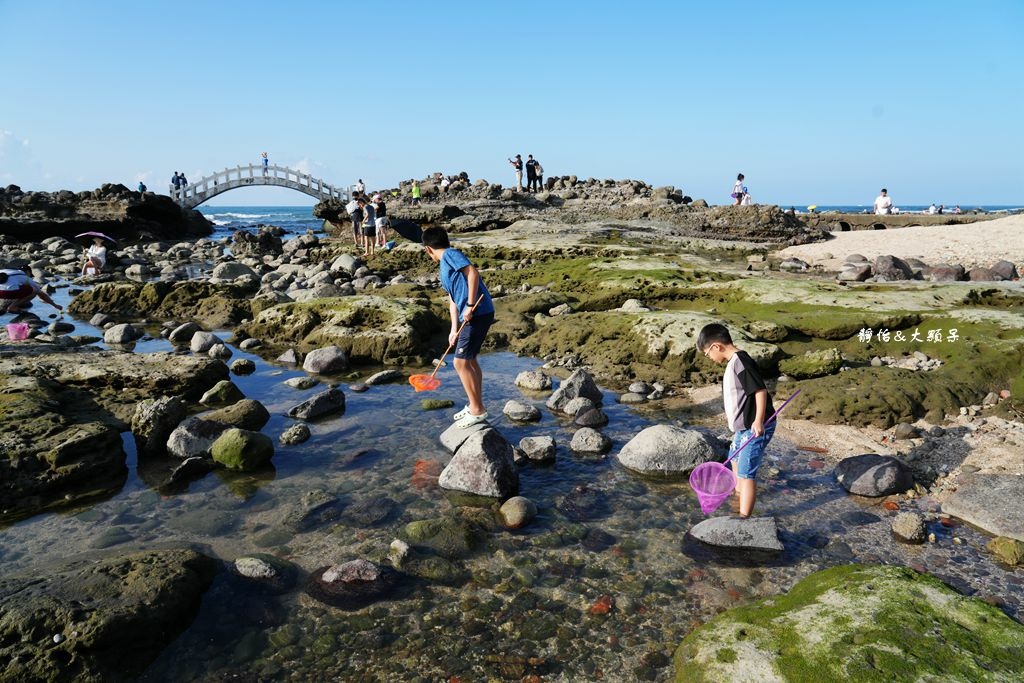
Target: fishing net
<point x="713" y="482"/>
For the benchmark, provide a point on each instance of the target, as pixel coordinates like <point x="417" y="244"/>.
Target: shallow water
<point x="528" y="607"/>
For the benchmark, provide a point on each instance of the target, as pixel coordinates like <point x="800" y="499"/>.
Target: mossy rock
<point x="240" y="449"/>
<point x="436" y="403"/>
<point x="857" y="623"/>
<point x="447" y="536"/>
<point x="812" y="364"/>
<point x="369" y="329"/>
<point x="1009" y="550"/>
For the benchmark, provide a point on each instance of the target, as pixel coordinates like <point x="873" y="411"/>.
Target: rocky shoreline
<point x="614" y="294"/>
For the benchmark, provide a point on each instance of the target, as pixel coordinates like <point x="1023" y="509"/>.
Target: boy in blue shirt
<point x="462" y="281"/>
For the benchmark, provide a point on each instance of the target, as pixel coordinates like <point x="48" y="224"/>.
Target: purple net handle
<point x="754" y="436"/>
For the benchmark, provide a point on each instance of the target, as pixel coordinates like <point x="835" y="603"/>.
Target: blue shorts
<point x="748" y="462"/>
<point x="471" y="338"/>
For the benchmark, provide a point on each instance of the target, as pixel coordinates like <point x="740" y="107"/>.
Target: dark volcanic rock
<point x="112" y="617"/>
<point x="112" y="209"/>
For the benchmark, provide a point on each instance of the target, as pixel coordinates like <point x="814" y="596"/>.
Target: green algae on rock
<point x="856" y="623"/>
<point x="369" y="329"/>
<point x="812" y="364"/>
<point x="212" y="305"/>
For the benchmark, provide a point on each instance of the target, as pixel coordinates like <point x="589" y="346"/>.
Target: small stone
<point x="909" y="527"/>
<point x="302" y="383"/>
<point x="517" y="512"/>
<point x="436" y="403"/>
<point x="243" y="366"/>
<point x="538" y="448"/>
<point x="521" y="412"/>
<point x="296" y="434"/>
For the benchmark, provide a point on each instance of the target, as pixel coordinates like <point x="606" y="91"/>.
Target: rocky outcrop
<point x="102" y="620"/>
<point x="211" y="305"/>
<point x="366" y="328"/>
<point x="111" y="208"/>
<point x="62" y="415"/>
<point x="480" y="206"/>
<point x="856" y="622"/>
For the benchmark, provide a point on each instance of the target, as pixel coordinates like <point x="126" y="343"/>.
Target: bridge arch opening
<point x="878" y="226"/>
<point x="844" y="226"/>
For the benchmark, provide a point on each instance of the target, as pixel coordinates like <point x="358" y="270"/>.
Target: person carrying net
<point x="469" y="303"/>
<point x="747" y="404"/>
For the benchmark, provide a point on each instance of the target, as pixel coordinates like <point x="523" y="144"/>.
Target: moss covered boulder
<point x="369" y="329"/>
<point x="857" y="623"/>
<point x="212" y="305"/>
<point x="812" y="364"/>
<point x="240" y="449"/>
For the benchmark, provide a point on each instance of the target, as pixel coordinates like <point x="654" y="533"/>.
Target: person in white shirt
<point x="883" y="203"/>
<point x="17" y="289"/>
<point x="361" y="187"/>
<point x="737" y="190"/>
<point x="95" y="257"/>
<point x="932" y="210"/>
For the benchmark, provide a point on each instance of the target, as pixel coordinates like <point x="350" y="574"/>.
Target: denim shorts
<point x="472" y="336"/>
<point x="748" y="462"/>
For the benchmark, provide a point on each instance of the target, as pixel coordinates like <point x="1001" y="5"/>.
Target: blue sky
<point x="814" y="102"/>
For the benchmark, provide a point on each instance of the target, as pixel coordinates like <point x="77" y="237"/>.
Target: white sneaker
<point x="470" y="419"/>
<point x="461" y="414"/>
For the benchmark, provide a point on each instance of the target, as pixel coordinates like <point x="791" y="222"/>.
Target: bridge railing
<point x="254" y="174"/>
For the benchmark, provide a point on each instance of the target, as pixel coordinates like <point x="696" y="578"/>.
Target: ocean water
<point x="910" y="208"/>
<point x="295" y="220"/>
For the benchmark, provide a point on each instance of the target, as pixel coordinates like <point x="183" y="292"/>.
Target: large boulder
<point x="856" y="622"/>
<point x="483" y="465"/>
<point x="889" y="268"/>
<point x="153" y="422"/>
<point x="325" y="361"/>
<point x="121" y="334"/>
<point x="241" y="449"/>
<point x="325" y="403"/>
<point x="668" y="450"/>
<point x="245" y="414"/>
<point x="99" y="619"/>
<point x="579" y="384"/>
<point x="873" y="475"/>
<point x="194" y="437"/>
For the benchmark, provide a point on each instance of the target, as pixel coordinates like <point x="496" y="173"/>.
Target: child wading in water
<point x="747" y="404"/>
<point x="461" y="280"/>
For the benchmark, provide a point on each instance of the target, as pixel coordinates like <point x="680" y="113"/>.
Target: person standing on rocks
<point x="539" y="171"/>
<point x="382" y="222"/>
<point x="360" y="187"/>
<point x="747" y="404"/>
<point x="518" y="166"/>
<point x="369" y="227"/>
<point x="415" y="192"/>
<point x="469" y="302"/>
<point x="355" y="214"/>
<point x="737" y="190"/>
<point x="17" y="289"/>
<point x="142" y="187"/>
<point x="531" y="174"/>
<point x="176" y="183"/>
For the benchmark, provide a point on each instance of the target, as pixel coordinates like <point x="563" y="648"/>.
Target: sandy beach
<point x="973" y="245"/>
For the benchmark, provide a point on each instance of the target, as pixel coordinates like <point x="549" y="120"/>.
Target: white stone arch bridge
<point x="206" y="188"/>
